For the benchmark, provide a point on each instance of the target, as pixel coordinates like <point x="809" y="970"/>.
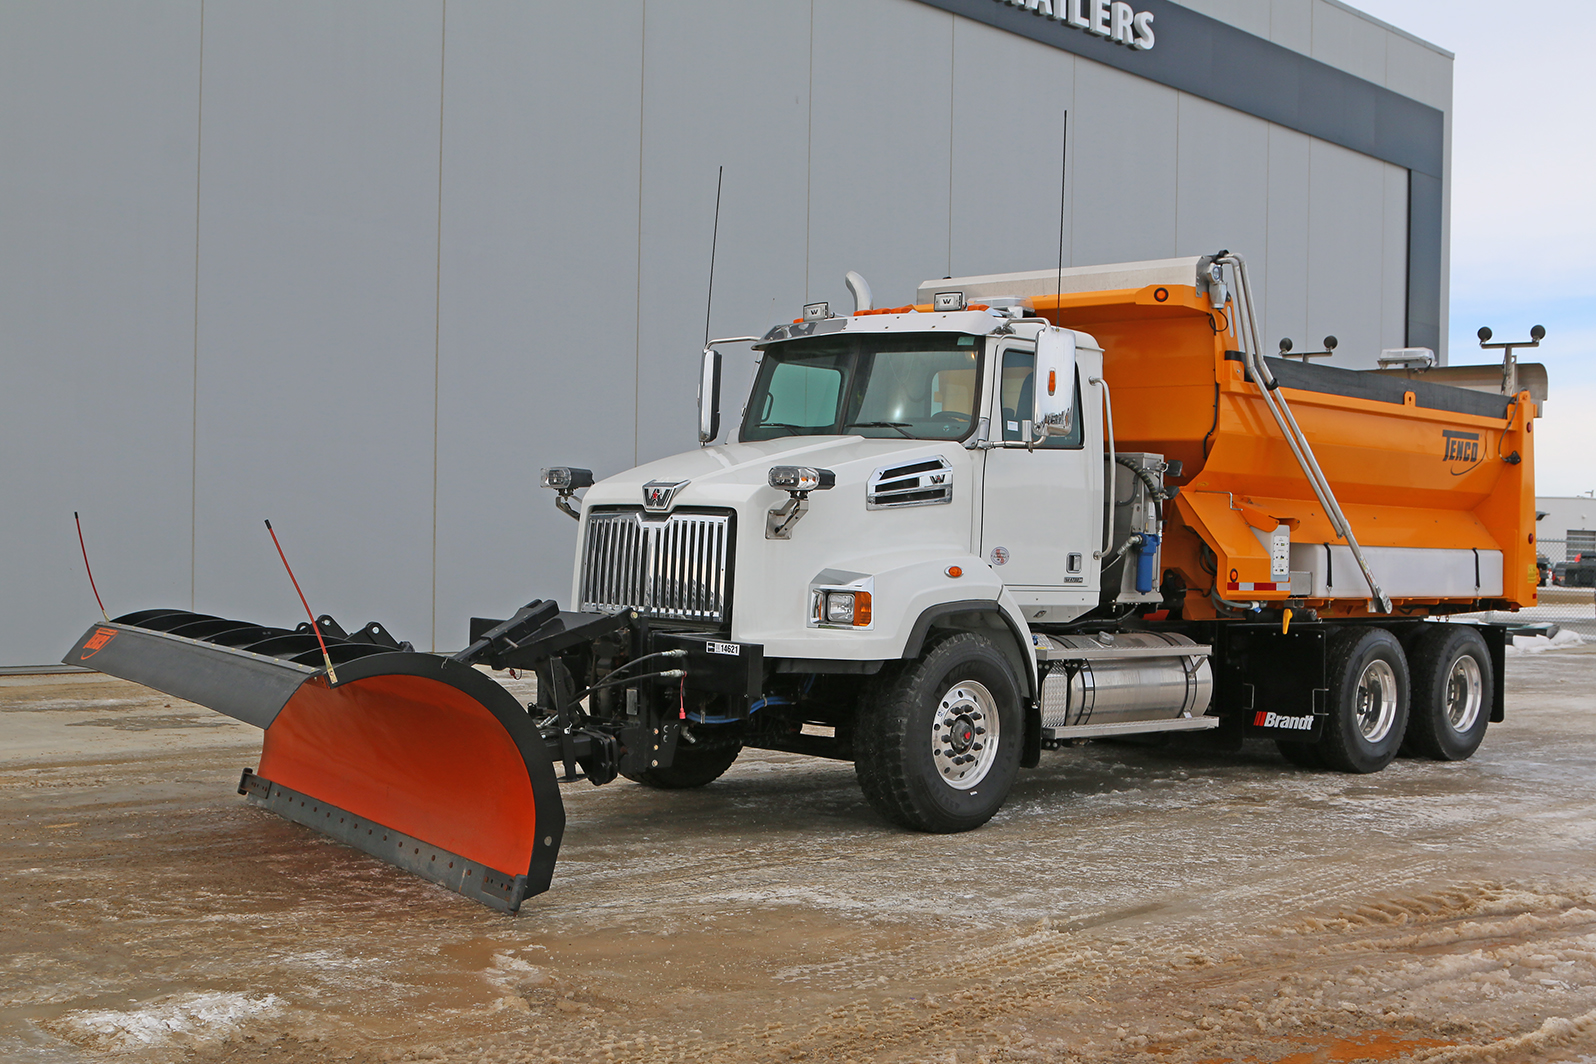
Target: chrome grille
<point x="676" y="568"/>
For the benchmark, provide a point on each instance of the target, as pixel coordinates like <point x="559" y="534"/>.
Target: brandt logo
<point x="95" y="642"/>
<point x="1275" y="720"/>
<point x="1113" y="19"/>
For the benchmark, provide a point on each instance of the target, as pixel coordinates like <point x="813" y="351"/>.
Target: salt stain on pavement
<point x="189" y="1019"/>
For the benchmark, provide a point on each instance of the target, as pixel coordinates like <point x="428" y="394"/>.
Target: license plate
<point x="731" y="650"/>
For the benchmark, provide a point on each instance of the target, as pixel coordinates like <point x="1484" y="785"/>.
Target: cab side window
<point x="1014" y="386"/>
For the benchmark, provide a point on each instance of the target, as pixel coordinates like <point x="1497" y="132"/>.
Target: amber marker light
<point x="955" y="572"/>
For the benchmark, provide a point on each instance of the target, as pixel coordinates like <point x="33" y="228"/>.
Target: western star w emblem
<point x="657" y="494"/>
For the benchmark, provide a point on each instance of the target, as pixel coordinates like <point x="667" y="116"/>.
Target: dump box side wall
<point x="1419" y="468"/>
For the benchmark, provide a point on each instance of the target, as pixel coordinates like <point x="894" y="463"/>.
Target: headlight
<point x="848" y="607"/>
<point x="801" y="478"/>
<point x="567" y="478"/>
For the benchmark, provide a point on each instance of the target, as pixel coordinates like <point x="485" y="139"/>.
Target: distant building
<point x="404" y="255"/>
<point x="1568" y="528"/>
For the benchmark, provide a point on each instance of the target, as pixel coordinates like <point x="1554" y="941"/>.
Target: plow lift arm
<point x="418" y="759"/>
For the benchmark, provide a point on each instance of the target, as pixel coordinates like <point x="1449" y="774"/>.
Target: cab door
<point x="1039" y="522"/>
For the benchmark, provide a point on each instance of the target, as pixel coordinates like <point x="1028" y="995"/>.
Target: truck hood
<point x="734" y="473"/>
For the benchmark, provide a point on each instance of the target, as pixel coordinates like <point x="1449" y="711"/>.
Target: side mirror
<point x="1053" y="387"/>
<point x="709" y="397"/>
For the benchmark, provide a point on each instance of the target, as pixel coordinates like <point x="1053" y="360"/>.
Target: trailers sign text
<point x="1113" y="19"/>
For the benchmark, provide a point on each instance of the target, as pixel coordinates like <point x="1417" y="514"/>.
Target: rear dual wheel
<point x="1434" y="701"/>
<point x="1453" y="685"/>
<point x="1367" y="701"/>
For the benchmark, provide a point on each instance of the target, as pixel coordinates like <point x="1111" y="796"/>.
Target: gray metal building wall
<point x="363" y="268"/>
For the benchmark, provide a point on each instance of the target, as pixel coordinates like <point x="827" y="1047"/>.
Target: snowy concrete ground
<point x="1130" y="903"/>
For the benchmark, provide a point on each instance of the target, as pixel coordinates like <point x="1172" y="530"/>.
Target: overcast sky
<point x="1524" y="199"/>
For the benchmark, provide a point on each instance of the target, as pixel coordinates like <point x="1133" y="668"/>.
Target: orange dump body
<point x="1427" y="468"/>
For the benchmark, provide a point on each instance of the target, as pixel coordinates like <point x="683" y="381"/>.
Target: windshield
<point x="919" y="386"/>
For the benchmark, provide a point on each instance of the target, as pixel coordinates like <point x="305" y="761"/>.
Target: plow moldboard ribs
<point x="243" y="685"/>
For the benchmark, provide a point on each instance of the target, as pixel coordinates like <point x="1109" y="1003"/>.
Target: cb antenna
<point x="1063" y="184"/>
<point x="86" y="568"/>
<point x="709" y="300"/>
<point x="314" y="627"/>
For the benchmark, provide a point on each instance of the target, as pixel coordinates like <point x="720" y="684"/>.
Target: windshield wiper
<point x="899" y="425"/>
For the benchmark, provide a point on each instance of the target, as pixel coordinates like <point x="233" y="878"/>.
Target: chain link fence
<point x="1567" y="599"/>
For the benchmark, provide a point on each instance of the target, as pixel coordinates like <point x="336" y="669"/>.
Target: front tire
<point x="1368" y="701"/>
<point x="1453" y="684"/>
<point x="938" y="746"/>
<point x="691" y="767"/>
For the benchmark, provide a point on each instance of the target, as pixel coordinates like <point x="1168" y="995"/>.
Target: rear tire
<point x="1453" y="684"/>
<point x="1368" y="700"/>
<point x="1303" y="755"/>
<point x="692" y="767"/>
<point x="937" y="748"/>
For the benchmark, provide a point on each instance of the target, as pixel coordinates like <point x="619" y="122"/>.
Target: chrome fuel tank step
<point x="1123" y="683"/>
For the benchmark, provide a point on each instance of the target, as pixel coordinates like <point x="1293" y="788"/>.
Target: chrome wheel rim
<point x="964" y="735"/>
<point x="1465" y="693"/>
<point x="1376" y="700"/>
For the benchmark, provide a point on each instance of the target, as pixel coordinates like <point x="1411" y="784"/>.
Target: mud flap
<point x="422" y="762"/>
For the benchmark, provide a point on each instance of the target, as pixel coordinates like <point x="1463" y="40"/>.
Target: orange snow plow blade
<point x="418" y="760"/>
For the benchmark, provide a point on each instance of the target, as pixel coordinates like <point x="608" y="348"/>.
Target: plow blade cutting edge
<point x="418" y="760"/>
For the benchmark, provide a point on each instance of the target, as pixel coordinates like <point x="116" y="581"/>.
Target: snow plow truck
<point x="944" y="538"/>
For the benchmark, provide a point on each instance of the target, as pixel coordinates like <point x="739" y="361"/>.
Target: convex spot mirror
<point x="1053" y="388"/>
<point x="709" y="397"/>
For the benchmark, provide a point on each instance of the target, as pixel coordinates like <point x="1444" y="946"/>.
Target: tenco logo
<point x="1461" y="450"/>
<point x="1275" y="720"/>
<point x="1113" y="19"/>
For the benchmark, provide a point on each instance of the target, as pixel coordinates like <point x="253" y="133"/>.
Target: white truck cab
<point x="938" y="492"/>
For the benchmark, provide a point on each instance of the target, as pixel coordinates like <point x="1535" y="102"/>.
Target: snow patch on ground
<point x="1539" y="644"/>
<point x="204" y="1016"/>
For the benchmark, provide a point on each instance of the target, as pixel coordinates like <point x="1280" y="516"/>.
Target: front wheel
<point x="1452" y="687"/>
<point x="1368" y="700"/>
<point x="937" y="748"/>
<point x="693" y="766"/>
